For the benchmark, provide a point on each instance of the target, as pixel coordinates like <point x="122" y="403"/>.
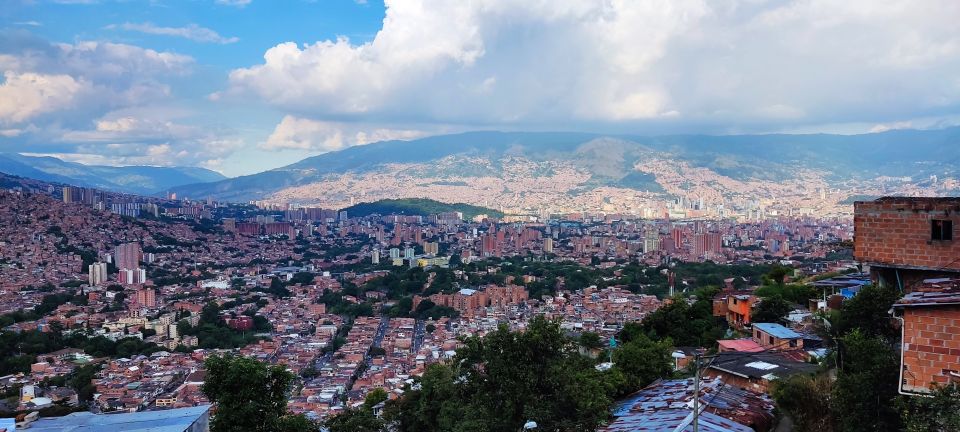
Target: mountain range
<point x="142" y="180"/>
<point x="565" y="171"/>
<point x="536" y="169"/>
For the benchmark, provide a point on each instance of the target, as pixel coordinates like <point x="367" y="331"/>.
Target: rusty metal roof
<point x="932" y="292"/>
<point x="667" y="405"/>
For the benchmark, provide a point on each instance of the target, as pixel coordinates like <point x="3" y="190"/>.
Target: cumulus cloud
<point x="192" y="32"/>
<point x="100" y="102"/>
<point x="26" y="95"/>
<point x="692" y="62"/>
<point x="150" y="136"/>
<point x="306" y="134"/>
<point x="56" y="80"/>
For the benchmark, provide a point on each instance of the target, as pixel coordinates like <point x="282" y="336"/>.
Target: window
<point x="941" y="229"/>
<point x="771" y="340"/>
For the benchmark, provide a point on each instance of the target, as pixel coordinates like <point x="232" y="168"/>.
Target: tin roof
<point x="777" y="330"/>
<point x="933" y="292"/>
<point x="668" y="406"/>
<point x="175" y="420"/>
<point x="742" y="345"/>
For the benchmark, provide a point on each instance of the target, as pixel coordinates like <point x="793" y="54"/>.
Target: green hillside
<point x="417" y="206"/>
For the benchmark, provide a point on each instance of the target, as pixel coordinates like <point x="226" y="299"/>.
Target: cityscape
<point x="479" y="216"/>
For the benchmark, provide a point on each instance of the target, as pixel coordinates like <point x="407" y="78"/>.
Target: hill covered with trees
<point x="418" y="206"/>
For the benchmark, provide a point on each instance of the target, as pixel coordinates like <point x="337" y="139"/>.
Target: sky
<point x="242" y="86"/>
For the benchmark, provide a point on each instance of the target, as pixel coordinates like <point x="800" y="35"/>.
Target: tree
<point x="807" y="401"/>
<point x="537" y="374"/>
<point x="866" y="384"/>
<point x="778" y="274"/>
<point x="685" y="324"/>
<point x="869" y="312"/>
<point x="590" y="340"/>
<point x="375" y="397"/>
<point x="250" y="395"/>
<point x="354" y="420"/>
<point x="642" y="361"/>
<point x="940" y="413"/>
<point x="433" y="404"/>
<point x="771" y="310"/>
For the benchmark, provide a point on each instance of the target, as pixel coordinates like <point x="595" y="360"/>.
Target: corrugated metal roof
<point x="777" y="330"/>
<point x="933" y="292"/>
<point x="175" y="420"/>
<point x="667" y="405"/>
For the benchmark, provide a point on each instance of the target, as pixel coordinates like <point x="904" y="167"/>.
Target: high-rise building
<point x="408" y="253"/>
<point x="375" y="257"/>
<point x="394" y="253"/>
<point x="132" y="276"/>
<point x="431" y="248"/>
<point x="651" y="241"/>
<point x="98" y="273"/>
<point x="128" y="256"/>
<point x="67" y="194"/>
<point x="677" y="235"/>
<point x="147" y="297"/>
<point x="707" y="243"/>
<point x="548" y="245"/>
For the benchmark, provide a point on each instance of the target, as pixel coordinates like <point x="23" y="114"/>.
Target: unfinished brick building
<point x="906" y="239"/>
<point x="911" y="244"/>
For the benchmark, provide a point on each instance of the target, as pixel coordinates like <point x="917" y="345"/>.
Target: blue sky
<point x="242" y="86"/>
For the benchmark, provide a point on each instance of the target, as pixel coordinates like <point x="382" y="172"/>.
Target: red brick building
<point x="931" y="335"/>
<point x="911" y="244"/>
<point x="906" y="239"/>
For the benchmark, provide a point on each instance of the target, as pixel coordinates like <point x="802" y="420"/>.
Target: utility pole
<point x="696" y="392"/>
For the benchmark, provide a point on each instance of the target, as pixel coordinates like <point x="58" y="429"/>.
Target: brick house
<point x="738" y="307"/>
<point x="907" y="239"/>
<point x="777" y="337"/>
<point x="912" y="244"/>
<point x="931" y="335"/>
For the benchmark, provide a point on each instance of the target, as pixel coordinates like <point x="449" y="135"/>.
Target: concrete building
<point x="97" y="273"/>
<point x="127" y="256"/>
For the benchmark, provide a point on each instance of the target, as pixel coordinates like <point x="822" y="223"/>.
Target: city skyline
<point x="245" y="86"/>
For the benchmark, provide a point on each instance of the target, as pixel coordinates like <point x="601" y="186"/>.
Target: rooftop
<point x="668" y="406"/>
<point x="769" y="366"/>
<point x="175" y="420"/>
<point x="933" y="292"/>
<point x="741" y="345"/>
<point x="777" y="330"/>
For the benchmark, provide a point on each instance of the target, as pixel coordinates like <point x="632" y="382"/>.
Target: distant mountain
<point x="417" y="206"/>
<point x="143" y="180"/>
<point x="537" y="170"/>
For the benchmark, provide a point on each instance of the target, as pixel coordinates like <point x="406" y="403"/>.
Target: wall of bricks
<point x="931" y="344"/>
<point x="896" y="231"/>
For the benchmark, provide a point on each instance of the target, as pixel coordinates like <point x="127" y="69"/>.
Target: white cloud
<point x="58" y="80"/>
<point x="192" y="32"/>
<point x="892" y="126"/>
<point x="306" y="134"/>
<point x="520" y="62"/>
<point x="24" y="96"/>
<point x="234" y="3"/>
<point x="28" y="23"/>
